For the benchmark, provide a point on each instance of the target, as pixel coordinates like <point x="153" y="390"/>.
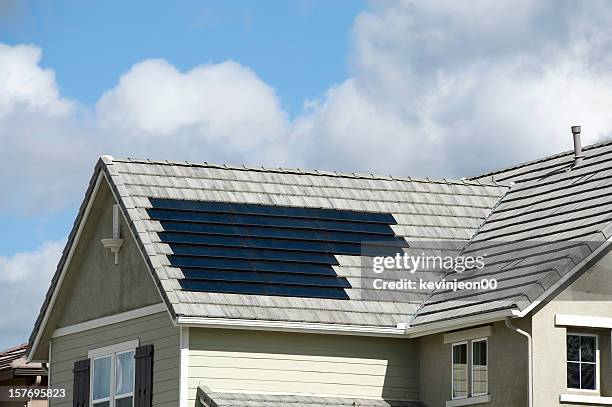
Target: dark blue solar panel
<point x="269" y="221"/>
<point x="265" y="249"/>
<point x="281" y="233"/>
<point x="253" y="254"/>
<point x="267" y="278"/>
<point x="262" y="243"/>
<point x="256" y="209"/>
<point x="185" y="262"/>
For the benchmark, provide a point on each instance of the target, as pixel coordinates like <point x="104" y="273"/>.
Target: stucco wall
<point x="154" y="329"/>
<point x="590" y="295"/>
<point x="507" y="362"/>
<point x="126" y="285"/>
<point x="258" y="361"/>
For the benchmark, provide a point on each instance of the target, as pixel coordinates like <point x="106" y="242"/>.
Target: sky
<point x="436" y="88"/>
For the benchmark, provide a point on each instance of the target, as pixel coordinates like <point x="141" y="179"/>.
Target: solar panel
<point x="265" y="249"/>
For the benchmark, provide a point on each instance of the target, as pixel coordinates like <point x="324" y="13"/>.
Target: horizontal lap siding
<point x="257" y="361"/>
<point x="153" y="329"/>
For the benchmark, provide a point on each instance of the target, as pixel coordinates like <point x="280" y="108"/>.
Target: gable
<point x="595" y="285"/>
<point x="94" y="286"/>
<point x="543" y="234"/>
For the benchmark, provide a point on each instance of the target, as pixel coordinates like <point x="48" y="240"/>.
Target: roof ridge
<point x="536" y="161"/>
<point x="13" y="349"/>
<point x="299" y="171"/>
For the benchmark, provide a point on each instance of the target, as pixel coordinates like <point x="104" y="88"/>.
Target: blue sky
<point x="299" y="47"/>
<point x="420" y="88"/>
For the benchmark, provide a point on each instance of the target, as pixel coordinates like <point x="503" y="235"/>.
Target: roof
<point x="13" y="363"/>
<point x="426" y="209"/>
<point x="422" y="209"/>
<point x="554" y="221"/>
<point x="209" y="398"/>
<point x="535" y="202"/>
<point x="534" y="169"/>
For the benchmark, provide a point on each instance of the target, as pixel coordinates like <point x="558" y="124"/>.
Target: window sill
<point x="584" y="399"/>
<point x="469" y="401"/>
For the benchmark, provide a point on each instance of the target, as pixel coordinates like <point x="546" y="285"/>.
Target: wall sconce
<point x="116" y="242"/>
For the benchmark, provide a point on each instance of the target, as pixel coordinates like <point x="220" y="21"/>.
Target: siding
<point x="258" y="361"/>
<point x="153" y="329"/>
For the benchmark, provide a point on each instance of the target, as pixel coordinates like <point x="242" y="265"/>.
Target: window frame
<point x="471" y="367"/>
<point x="112" y="351"/>
<point x="597" y="363"/>
<point x="467" y="361"/>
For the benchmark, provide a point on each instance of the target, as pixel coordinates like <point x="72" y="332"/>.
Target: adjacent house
<point x="15" y="372"/>
<point x="194" y="284"/>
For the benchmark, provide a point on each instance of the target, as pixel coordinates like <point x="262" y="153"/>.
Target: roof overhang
<point x="288" y="326"/>
<point x="460" y="323"/>
<point x="64" y="263"/>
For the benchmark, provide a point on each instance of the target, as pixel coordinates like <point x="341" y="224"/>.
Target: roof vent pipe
<point x="578" y="155"/>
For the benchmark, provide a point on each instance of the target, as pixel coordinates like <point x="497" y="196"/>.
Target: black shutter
<point x="80" y="389"/>
<point x="143" y="388"/>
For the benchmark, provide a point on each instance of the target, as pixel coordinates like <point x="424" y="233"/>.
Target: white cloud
<point x="221" y="112"/>
<point x="224" y="103"/>
<point x="24" y="279"/>
<point x="440" y="88"/>
<point x="25" y="85"/>
<point x="437" y="88"/>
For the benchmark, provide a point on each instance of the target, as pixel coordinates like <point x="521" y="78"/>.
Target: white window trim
<point x="117" y="348"/>
<point x="467" y="360"/>
<point x="597" y="364"/>
<point x="471" y="368"/>
<point x="111" y="351"/>
<point x="583" y="321"/>
<point x="468" y="401"/>
<point x="585" y="399"/>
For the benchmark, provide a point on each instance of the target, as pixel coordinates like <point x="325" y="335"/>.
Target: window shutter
<point x="143" y="387"/>
<point x="80" y="389"/>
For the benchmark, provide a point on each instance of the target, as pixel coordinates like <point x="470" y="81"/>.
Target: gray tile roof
<point x="13" y="363"/>
<point x="208" y="398"/>
<point x="423" y="209"/>
<point x="552" y="219"/>
<point x="546" y="203"/>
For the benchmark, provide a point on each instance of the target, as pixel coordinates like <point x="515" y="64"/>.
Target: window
<point x="476" y="372"/>
<point x="112" y="379"/>
<point x="480" y="371"/>
<point x="460" y="371"/>
<point x="582" y="362"/>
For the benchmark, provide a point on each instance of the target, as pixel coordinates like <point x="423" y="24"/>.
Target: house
<point x="15" y="372"/>
<point x="186" y="284"/>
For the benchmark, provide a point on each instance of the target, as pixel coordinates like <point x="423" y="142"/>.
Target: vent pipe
<point x="578" y="155"/>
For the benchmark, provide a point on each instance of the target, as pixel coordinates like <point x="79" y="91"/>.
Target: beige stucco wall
<point x="258" y="361"/>
<point x="507" y="368"/>
<point x="94" y="286"/>
<point x="127" y="285"/>
<point x="590" y="295"/>
<point x="154" y="329"/>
